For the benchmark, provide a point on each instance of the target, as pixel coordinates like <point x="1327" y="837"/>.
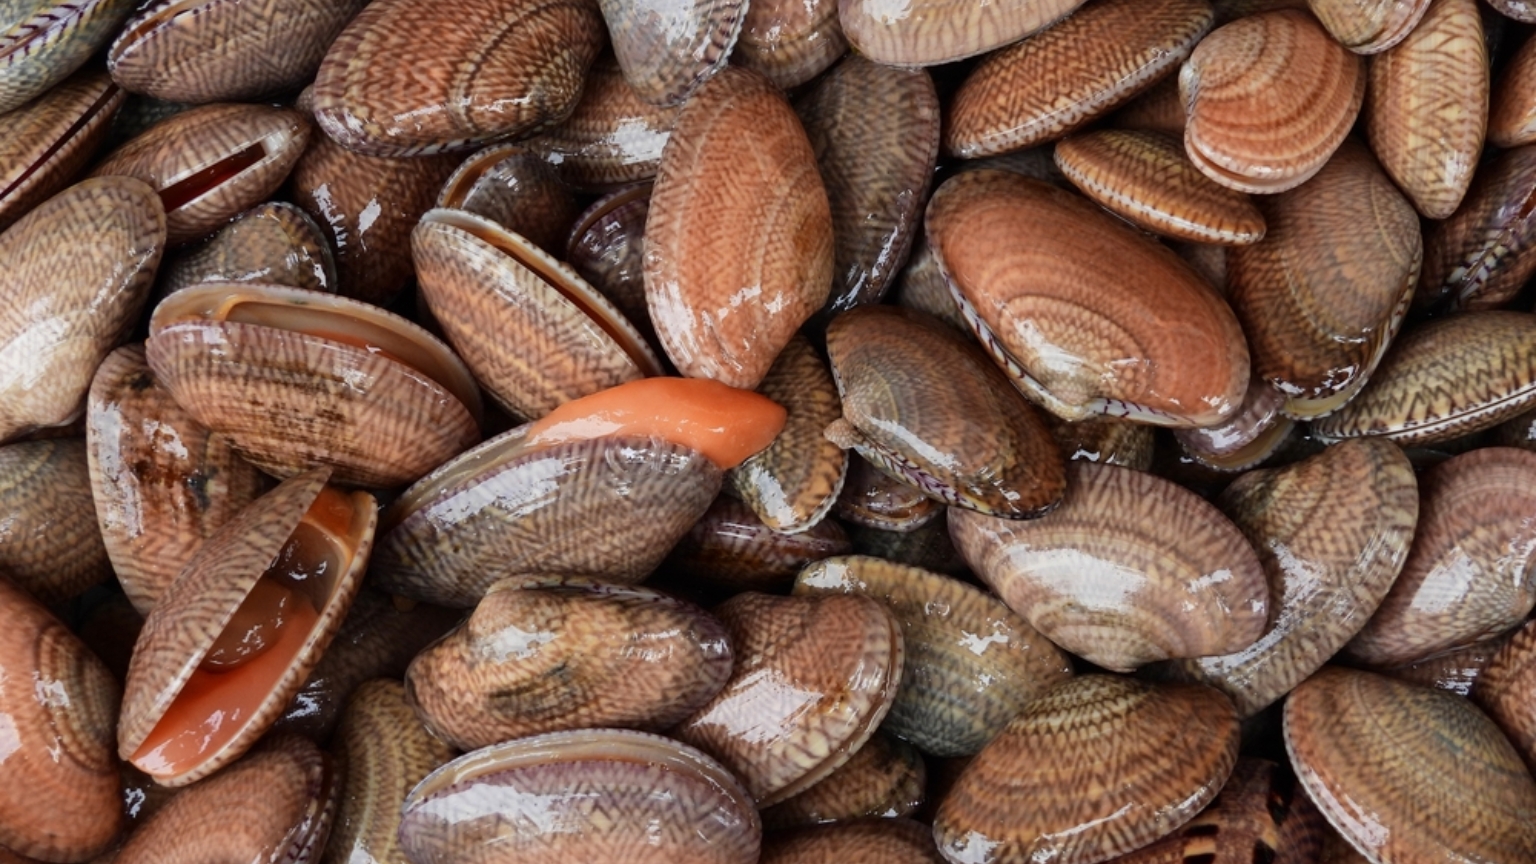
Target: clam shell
<point x="1251" y="436"/>
<point x="1332" y="533"/>
<point x="1129" y="569"/>
<point x="972" y="664"/>
<point x="874" y="499"/>
<point x="730" y="550"/>
<point x="1480" y="257"/>
<point x="75" y="272"/>
<point x="1364" y="746"/>
<point x="1111" y="349"/>
<point x="1457" y="670"/>
<point x="1369" y="26"/>
<point x="607" y="247"/>
<point x="875" y="130"/>
<point x="1446" y="378"/>
<point x="605" y="655"/>
<point x="1106" y="440"/>
<point x="1146" y="178"/>
<point x="884" y="779"/>
<point x="927" y="546"/>
<point x="1519" y="10"/>
<point x="1469" y="576"/>
<point x="790" y="41"/>
<point x="194" y="609"/>
<point x="499" y="510"/>
<point x="1047" y="85"/>
<point x="720" y="225"/>
<point x="61" y="802"/>
<point x="1429" y="106"/>
<point x="205" y="51"/>
<point x="865" y="841"/>
<point x="515" y="188"/>
<point x="613" y="137"/>
<point x="49" y="543"/>
<point x="814" y="678"/>
<point x="924" y="404"/>
<point x="1158" y="108"/>
<point x="1047" y="789"/>
<point x="276" y="243"/>
<point x="43" y="41"/>
<point x="930" y="32"/>
<point x="1512" y="107"/>
<point x="1324" y="293"/>
<point x="50" y="139"/>
<point x="1269" y="98"/>
<point x="668" y="48"/>
<point x="921" y="286"/>
<point x="211" y="163"/>
<point x="590" y="795"/>
<point x="1504" y="690"/>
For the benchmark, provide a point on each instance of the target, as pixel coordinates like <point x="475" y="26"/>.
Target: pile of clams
<point x="785" y="432"/>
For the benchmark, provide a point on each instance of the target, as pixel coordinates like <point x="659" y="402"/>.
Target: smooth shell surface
<point x="930" y="32"/>
<point x="517" y="189"/>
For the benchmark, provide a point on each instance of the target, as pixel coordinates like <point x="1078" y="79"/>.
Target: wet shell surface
<point x="589" y="795"/>
<point x="730" y="549"/>
<point x="1480" y="257"/>
<point x="1503" y="690"/>
<point x="1129" y="569"/>
<point x="1512" y="109"/>
<point x="613" y="137"/>
<point x="1047" y="789"/>
<point x="1369" y="26"/>
<point x="43" y="41"/>
<point x="1365" y="745"/>
<point x="668" y="48"/>
<point x="865" y="841"/>
<point x="790" y="41"/>
<point x="514" y="187"/>
<point x="50" y="139"/>
<point x="276" y="243"/>
<point x="49" y="543"/>
<point x="930" y="32"/>
<point x="884" y="778"/>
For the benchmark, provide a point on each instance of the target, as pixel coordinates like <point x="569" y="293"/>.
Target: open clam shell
<point x="588" y="795"/>
<point x="232" y="639"/>
<point x="1364" y="747"/>
<point x="49" y="140"/>
<point x="930" y="32"/>
<point x="1481" y="256"/>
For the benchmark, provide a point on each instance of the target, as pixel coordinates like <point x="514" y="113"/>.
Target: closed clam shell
<point x="1364" y="747"/>
<point x="668" y="48"/>
<point x="607" y="247"/>
<point x="1249" y="437"/>
<point x="1512" y="106"/>
<point x="43" y="41"/>
<point x="875" y="499"/>
<point x="1047" y="789"/>
<point x="1445" y="378"/>
<point x="211" y="163"/>
<point x="1044" y="86"/>
<point x="793" y="483"/>
<point x="364" y="391"/>
<point x="972" y="663"/>
<point x="738" y="252"/>
<point x="865" y="841"/>
<point x="1332" y="533"/>
<point x="1323" y="294"/>
<point x="49" y="543"/>
<point x="730" y="549"/>
<point x="924" y="404"/>
<point x="875" y="130"/>
<point x="790" y="41"/>
<point x="1369" y="26"/>
<point x="1457" y="670"/>
<point x="535" y="334"/>
<point x="1469" y="575"/>
<point x="160" y="480"/>
<point x="489" y="71"/>
<point x="76" y="270"/>
<point x="885" y="779"/>
<point x="1480" y="257"/>
<point x="1503" y="689"/>
<point x="50" y="139"/>
<point x="61" y="803"/>
<point x="1269" y="98"/>
<point x="1428" y="109"/>
<point x="1519" y="10"/>
<point x="1179" y="359"/>
<point x="1129" y="569"/>
<point x="814" y="678"/>
<point x="181" y="722"/>
<point x="284" y="794"/>
<point x="367" y="206"/>
<point x="206" y="51"/>
<point x="274" y="242"/>
<point x="600" y="655"/>
<point x="1107" y="440"/>
<point x="500" y="509"/>
<point x="386" y="752"/>
<point x="930" y="32"/>
<point x="588" y="795"/>
<point x="512" y="186"/>
<point x="1147" y="178"/>
<point x="613" y="137"/>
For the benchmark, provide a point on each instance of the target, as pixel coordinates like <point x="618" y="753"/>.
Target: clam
<point x="1512" y="106"/>
<point x="1249" y="437"/>
<point x="230" y="641"/>
<point x="875" y="499"/>
<point x="884" y="779"/>
<point x="730" y="549"/>
<point x="1504" y="690"/>
<point x="49" y="543"/>
<point x="1047" y="789"/>
<point x="607" y="247"/>
<point x="1061" y="316"/>
<point x="613" y="137"/>
<point x="1324" y="293"/>
<point x="61" y="802"/>
<point x="1369" y="26"/>
<point x="668" y="48"/>
<point x="930" y="32"/>
<point x="814" y="678"/>
<point x="1364" y="747"/>
<point x="513" y="187"/>
<point x="548" y="653"/>
<point x="1269" y="98"/>
<point x="1519" y="10"/>
<point x="76" y="270"/>
<point x="972" y="664"/>
<point x="43" y="41"/>
<point x="49" y="140"/>
<point x="1129" y="569"/>
<point x="1469" y="575"/>
<point x="921" y="286"/>
<point x="274" y="242"/>
<point x="1457" y="670"/>
<point x="864" y="841"/>
<point x="790" y="41"/>
<point x="1107" y="440"/>
<point x="564" y="495"/>
<point x="255" y="362"/>
<point x="588" y="795"/>
<point x="738" y="252"/>
<point x="1043" y="87"/>
<point x="491" y="70"/>
<point x="535" y="334"/>
<point x="1479" y="258"/>
<point x="1332" y="532"/>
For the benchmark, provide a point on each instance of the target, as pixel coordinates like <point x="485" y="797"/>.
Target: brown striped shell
<point x="729" y="550"/>
<point x="930" y="32"/>
<point x="43" y="41"/>
<point x="863" y="841"/>
<point x="49" y="543"/>
<point x="1369" y="26"/>
<point x="511" y="185"/>
<point x="274" y="242"/>
<point x="50" y="139"/>
<point x="613" y="137"/>
<point x="1512" y="105"/>
<point x="790" y="41"/>
<point x="668" y="48"/>
<point x="874" y="499"/>
<point x="885" y="778"/>
<point x="1481" y="257"/>
<point x="607" y="247"/>
<point x="1249" y="437"/>
<point x="1504" y="690"/>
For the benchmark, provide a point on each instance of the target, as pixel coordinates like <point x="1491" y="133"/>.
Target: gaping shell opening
<point x="101" y="109"/>
<point x="206" y="179"/>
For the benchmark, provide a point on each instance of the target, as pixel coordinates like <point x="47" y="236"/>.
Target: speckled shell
<point x="43" y="41"/>
<point x="738" y="252"/>
<point x="49" y="140"/>
<point x="613" y="137"/>
<point x="930" y="32"/>
<point x="49" y="543"/>
<point x="387" y="89"/>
